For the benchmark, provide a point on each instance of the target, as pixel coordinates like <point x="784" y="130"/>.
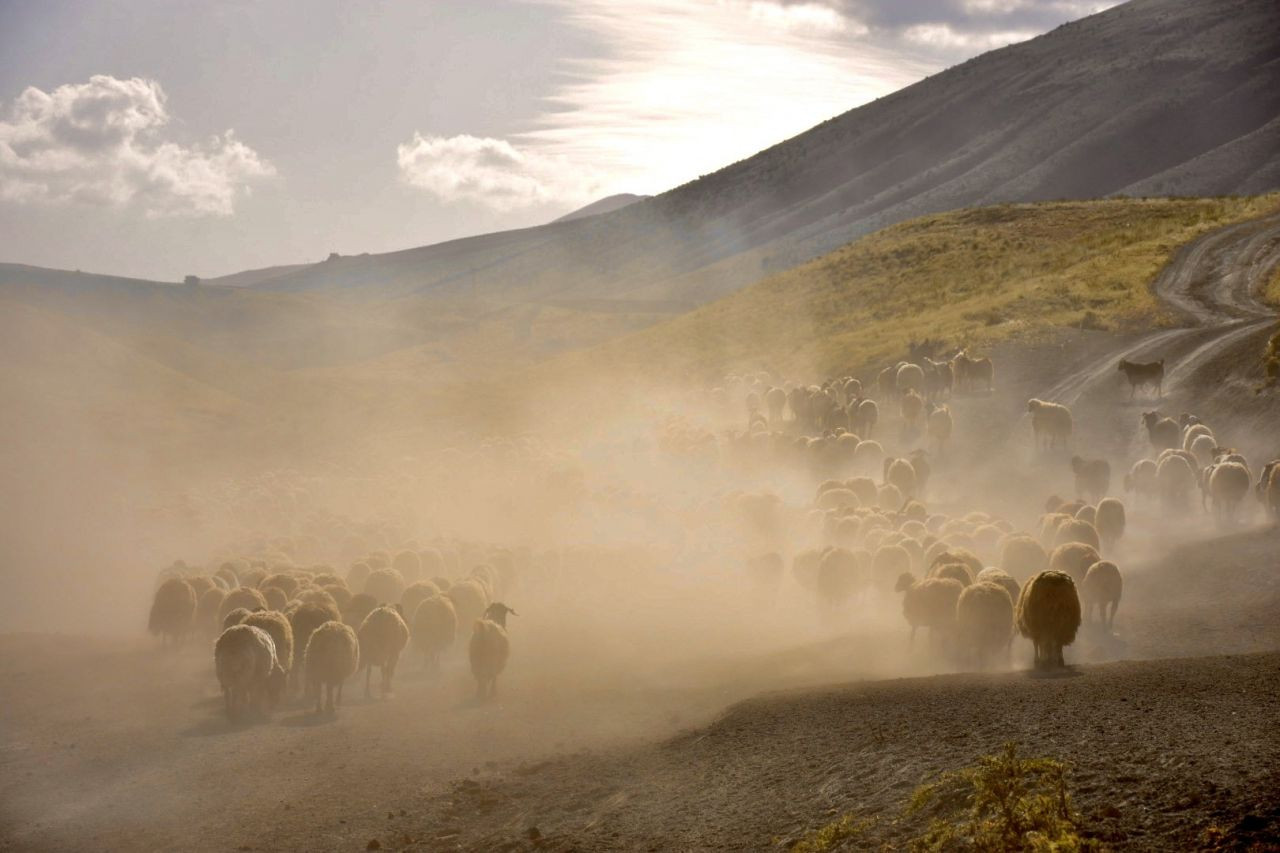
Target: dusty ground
<point x="107" y="744"/>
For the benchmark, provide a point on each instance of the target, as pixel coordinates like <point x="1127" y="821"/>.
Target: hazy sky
<point x="162" y="137"/>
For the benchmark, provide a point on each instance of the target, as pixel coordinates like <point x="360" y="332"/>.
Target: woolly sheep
<point x="1088" y="514"/>
<point x="930" y="603"/>
<point x="235" y="617"/>
<point x="911" y="407"/>
<point x="1109" y="519"/>
<point x="1073" y="559"/>
<point x="383" y="636"/>
<point x="888" y="564"/>
<point x="469" y="599"/>
<point x="1228" y="483"/>
<point x="489" y="649"/>
<point x="1050" y="422"/>
<point x="357" y="608"/>
<point x="357" y="575"/>
<point x="1267" y="489"/>
<point x="286" y="583"/>
<point x="1175" y="478"/>
<point x="173" y="611"/>
<point x="909" y="377"/>
<point x="1048" y="614"/>
<point x="864" y="418"/>
<point x="1021" y="556"/>
<point x="1101" y="588"/>
<point x="275" y="596"/>
<point x="869" y="457"/>
<point x="956" y="571"/>
<point x="955" y="554"/>
<point x="1202" y="448"/>
<point x="1142" y="479"/>
<point x="1162" y="432"/>
<point x="200" y="584"/>
<point x="415" y="593"/>
<point x="385" y="585"/>
<point x="247" y="597"/>
<point x="900" y="473"/>
<point x="408" y="564"/>
<point x="1076" y="530"/>
<point x="330" y="657"/>
<point x="1003" y="579"/>
<point x="227" y="573"/>
<point x="280" y="631"/>
<point x="248" y="671"/>
<point x="838" y="577"/>
<point x="889" y="497"/>
<point x="434" y="626"/>
<point x="984" y="620"/>
<point x="207" y="609"/>
<point x="309" y="616"/>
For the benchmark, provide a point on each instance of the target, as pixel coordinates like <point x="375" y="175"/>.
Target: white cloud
<point x="491" y="172"/>
<point x="678" y="88"/>
<point x="100" y="142"/>
<point x="946" y="36"/>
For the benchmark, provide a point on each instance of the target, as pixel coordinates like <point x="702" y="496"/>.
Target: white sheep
<point x="248" y="670"/>
<point x="383" y="636"/>
<point x="331" y="656"/>
<point x="489" y="649"/>
<point x="1050" y="422"/>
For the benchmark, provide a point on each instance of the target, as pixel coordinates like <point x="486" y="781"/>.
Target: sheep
<point x="357" y="608"/>
<point x="247" y="597"/>
<point x="1021" y="556"/>
<point x="887" y="382"/>
<point x="1076" y="530"/>
<point x="909" y="377"/>
<point x="415" y="593"/>
<point x="1101" y="588"/>
<point x="200" y="584"/>
<point x="901" y="474"/>
<point x="1142" y="479"/>
<point x="489" y="649"/>
<point x="434" y="626"/>
<point x="469" y="598"/>
<point x="1191" y="432"/>
<point x="235" y="617"/>
<point x="1048" y="614"/>
<point x="862" y="420"/>
<point x="207" y="608"/>
<point x="173" y="611"/>
<point x="307" y="617"/>
<point x="1202" y="448"/>
<point x="775" y="399"/>
<point x="956" y="554"/>
<point x="248" y="671"/>
<point x="1162" y="432"/>
<point x="275" y="596"/>
<point x="919" y="460"/>
<point x="910" y="406"/>
<point x="330" y="657"/>
<point x="930" y="603"/>
<point x="357" y="575"/>
<point x="1073" y="559"/>
<point x="1150" y="374"/>
<point x="1003" y="579"/>
<point x="972" y="371"/>
<point x="227" y="574"/>
<point x="955" y="571"/>
<point x="1050" y="422"/>
<point x="385" y="585"/>
<point x="286" y="583"/>
<point x="1228" y="483"/>
<point x="939" y="425"/>
<point x="940" y="379"/>
<point x="838" y="577"/>
<point x="984" y="620"/>
<point x="1267" y="489"/>
<point x="280" y="631"/>
<point x="1109" y="519"/>
<point x="383" y="635"/>
<point x="1175" y="478"/>
<point x="1093" y="478"/>
<point x="889" y="563"/>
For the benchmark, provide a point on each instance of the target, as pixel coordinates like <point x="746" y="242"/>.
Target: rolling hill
<point x="1085" y="111"/>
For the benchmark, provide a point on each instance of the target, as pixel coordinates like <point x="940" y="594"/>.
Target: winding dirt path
<point x="1213" y="283"/>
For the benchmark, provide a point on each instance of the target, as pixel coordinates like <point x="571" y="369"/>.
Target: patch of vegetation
<point x="1004" y="803"/>
<point x="971" y="278"/>
<point x="846" y="833"/>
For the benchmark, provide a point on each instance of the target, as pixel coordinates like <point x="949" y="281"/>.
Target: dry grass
<point x="971" y="278"/>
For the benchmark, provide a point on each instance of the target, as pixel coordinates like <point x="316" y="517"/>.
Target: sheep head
<point x="906" y="580"/>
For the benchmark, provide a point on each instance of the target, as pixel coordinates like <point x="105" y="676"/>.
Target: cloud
<point x="677" y="88"/>
<point x="101" y="143"/>
<point x="945" y="36"/>
<point x="491" y="172"/>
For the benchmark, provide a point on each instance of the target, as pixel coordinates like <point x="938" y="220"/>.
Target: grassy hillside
<point x="970" y="278"/>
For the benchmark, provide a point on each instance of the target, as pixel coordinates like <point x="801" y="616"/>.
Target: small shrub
<point x="836" y="835"/>
<point x="1002" y="804"/>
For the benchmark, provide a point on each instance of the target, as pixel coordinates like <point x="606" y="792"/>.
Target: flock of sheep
<point x="828" y="484"/>
<point x="307" y="629"/>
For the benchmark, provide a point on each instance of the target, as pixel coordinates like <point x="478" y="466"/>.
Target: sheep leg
<point x="338" y="699"/>
<point x="368" y="678"/>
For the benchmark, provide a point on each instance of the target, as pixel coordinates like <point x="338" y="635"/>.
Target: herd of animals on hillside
<point x="282" y="625"/>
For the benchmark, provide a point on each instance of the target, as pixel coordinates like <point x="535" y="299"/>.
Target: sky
<point x="160" y="138"/>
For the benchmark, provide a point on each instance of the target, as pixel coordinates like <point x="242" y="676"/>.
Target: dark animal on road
<point x="1150" y="374"/>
